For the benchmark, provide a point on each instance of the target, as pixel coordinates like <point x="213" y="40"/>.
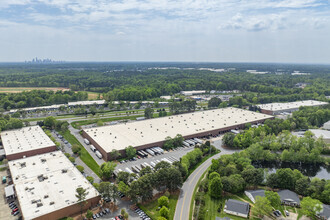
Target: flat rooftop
<point x="25" y="139"/>
<point x="155" y="130"/>
<point x="290" y="105"/>
<point x="321" y="133"/>
<point x="97" y="102"/>
<point x="46" y="183"/>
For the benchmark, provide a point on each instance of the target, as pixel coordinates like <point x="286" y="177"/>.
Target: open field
<point x="22" y="89"/>
<point x="94" y="95"/>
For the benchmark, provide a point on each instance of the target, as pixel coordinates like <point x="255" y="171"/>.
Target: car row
<point x="14" y="208"/>
<point x="102" y="213"/>
<point x="141" y="213"/>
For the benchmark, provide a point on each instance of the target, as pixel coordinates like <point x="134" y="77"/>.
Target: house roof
<point x="326" y="211"/>
<point x="255" y="193"/>
<point x="237" y="206"/>
<point x="288" y="196"/>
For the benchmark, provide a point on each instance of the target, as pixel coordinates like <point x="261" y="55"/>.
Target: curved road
<point x="187" y="190"/>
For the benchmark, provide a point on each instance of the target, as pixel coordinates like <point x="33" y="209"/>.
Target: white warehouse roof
<point x="155" y="130"/>
<point x="321" y="133"/>
<point x="25" y="139"/>
<point x="290" y="105"/>
<point x="97" y="102"/>
<point x="48" y="179"/>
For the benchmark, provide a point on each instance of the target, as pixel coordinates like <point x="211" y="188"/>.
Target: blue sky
<point x="291" y="31"/>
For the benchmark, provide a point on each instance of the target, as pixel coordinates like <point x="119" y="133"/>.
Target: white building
<point x="46" y="186"/>
<point x="25" y="142"/>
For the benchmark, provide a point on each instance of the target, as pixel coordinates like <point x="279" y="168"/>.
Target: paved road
<point x="186" y="193"/>
<point x="78" y="161"/>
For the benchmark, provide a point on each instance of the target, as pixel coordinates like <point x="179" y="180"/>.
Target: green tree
<point x="72" y="159"/>
<point x="273" y="198"/>
<point x="123" y="176"/>
<point x="81" y="194"/>
<point x="228" y="139"/>
<point x="80" y="168"/>
<point x="215" y="187"/>
<point x="161" y="218"/>
<point x="253" y="176"/>
<point x="124" y="213"/>
<point x="124" y="188"/>
<point x="114" y="154"/>
<point x="50" y="122"/>
<point x="262" y="207"/>
<point x="213" y="175"/>
<point x="148" y="112"/>
<point x="90" y="179"/>
<point x="163" y="201"/>
<point x="108" y="190"/>
<point x="214" y="102"/>
<point x="75" y="148"/>
<point x="310" y="207"/>
<point x="89" y="214"/>
<point x="164" y="212"/>
<point x="130" y="152"/>
<point x="107" y="169"/>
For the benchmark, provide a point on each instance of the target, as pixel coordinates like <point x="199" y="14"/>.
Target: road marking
<point x="184" y="199"/>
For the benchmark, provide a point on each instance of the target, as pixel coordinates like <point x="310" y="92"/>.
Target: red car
<point x="117" y="218"/>
<point x="14" y="210"/>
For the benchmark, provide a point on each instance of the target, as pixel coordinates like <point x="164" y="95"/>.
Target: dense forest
<point x="38" y="98"/>
<point x="142" y="81"/>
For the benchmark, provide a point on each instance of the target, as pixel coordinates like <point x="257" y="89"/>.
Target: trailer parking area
<point x="177" y="154"/>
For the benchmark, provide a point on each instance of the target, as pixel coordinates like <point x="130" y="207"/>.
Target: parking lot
<point x="5" y="211"/>
<point x="177" y="154"/>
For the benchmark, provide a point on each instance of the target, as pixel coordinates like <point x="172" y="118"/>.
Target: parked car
<point x="287" y="213"/>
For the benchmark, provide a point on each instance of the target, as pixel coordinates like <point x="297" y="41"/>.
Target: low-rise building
<point x="327" y="125"/>
<point x="277" y="108"/>
<point x="26" y="142"/>
<point x="289" y="198"/>
<point x="153" y="132"/>
<point x="46" y="186"/>
<point x="236" y="207"/>
<point x="252" y="194"/>
<point x="325" y="213"/>
<point x="324" y="134"/>
<point x="193" y="92"/>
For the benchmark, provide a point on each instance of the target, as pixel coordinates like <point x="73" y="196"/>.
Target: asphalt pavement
<point x="187" y="190"/>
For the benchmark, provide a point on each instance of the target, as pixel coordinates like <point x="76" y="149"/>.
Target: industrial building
<point x="324" y="134"/>
<point x="288" y="107"/>
<point x="150" y="133"/>
<point x="46" y="186"/>
<point x="193" y="92"/>
<point x="26" y="142"/>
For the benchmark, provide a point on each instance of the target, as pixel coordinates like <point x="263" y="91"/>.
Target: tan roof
<point x="48" y="179"/>
<point x="155" y="130"/>
<point x="25" y="139"/>
<point x="290" y="105"/>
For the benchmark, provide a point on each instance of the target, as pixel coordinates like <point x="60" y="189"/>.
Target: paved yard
<point x="5" y="211"/>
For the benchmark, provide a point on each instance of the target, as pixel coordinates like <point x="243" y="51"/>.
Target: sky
<point x="289" y="31"/>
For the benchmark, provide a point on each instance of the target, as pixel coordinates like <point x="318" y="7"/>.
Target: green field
<point x="151" y="207"/>
<point x="84" y="155"/>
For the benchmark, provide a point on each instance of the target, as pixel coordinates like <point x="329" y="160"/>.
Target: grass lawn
<point x="151" y="207"/>
<point x="84" y="155"/>
<point x="94" y="95"/>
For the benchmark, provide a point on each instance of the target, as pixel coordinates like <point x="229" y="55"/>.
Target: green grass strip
<point x="84" y="155"/>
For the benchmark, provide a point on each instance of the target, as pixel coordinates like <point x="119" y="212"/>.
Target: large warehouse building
<point x="46" y="186"/>
<point x="149" y="133"/>
<point x="26" y="142"/>
<point x="278" y="108"/>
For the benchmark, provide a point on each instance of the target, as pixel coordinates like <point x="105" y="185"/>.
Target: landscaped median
<point x="84" y="155"/>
